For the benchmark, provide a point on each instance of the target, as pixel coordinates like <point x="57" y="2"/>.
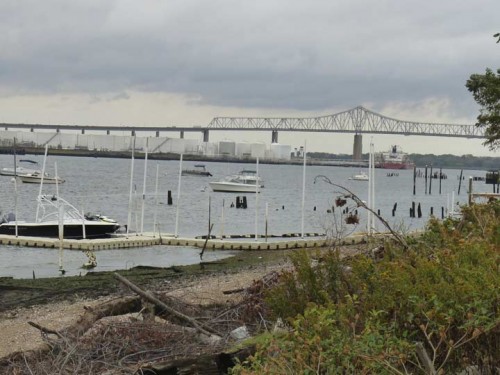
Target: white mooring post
<point x="144" y="187"/>
<point x="156" y="200"/>
<point x="222" y="221"/>
<point x="257" y="185"/>
<point x="303" y="188"/>
<point x="41" y="181"/>
<point x="15" y="189"/>
<point x="178" y="199"/>
<point x="129" y="216"/>
<point x="61" y="235"/>
<point x="267" y="217"/>
<point x="372" y="187"/>
<point x="84" y="234"/>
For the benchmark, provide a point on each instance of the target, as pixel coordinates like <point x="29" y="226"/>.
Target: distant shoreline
<point x="316" y="159"/>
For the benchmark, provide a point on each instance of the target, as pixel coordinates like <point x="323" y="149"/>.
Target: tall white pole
<point x="61" y="235"/>
<point x="129" y="218"/>
<point x="57" y="180"/>
<point x="372" y="185"/>
<point x="178" y="198"/>
<point x="369" y="214"/>
<point x="303" y="188"/>
<point x="257" y="185"/>
<point x="15" y="189"/>
<point x="267" y="217"/>
<point x="156" y="199"/>
<point x="84" y="234"/>
<point x="452" y="203"/>
<point x="144" y="187"/>
<point x="41" y="181"/>
<point x="222" y="221"/>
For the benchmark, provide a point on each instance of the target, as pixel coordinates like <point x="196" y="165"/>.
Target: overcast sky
<point x="183" y="62"/>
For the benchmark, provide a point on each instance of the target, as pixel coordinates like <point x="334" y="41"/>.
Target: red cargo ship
<point x="395" y="158"/>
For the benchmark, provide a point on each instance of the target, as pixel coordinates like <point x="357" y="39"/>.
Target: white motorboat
<point x="36" y="178"/>
<point x="19" y="171"/>
<point x="74" y="224"/>
<point x="245" y="181"/>
<point x="361" y="176"/>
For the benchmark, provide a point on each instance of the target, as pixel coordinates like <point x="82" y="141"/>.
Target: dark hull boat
<point x="199" y="170"/>
<point x="71" y="231"/>
<point x="57" y="213"/>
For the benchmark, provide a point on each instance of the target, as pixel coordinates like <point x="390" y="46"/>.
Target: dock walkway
<point x="149" y="239"/>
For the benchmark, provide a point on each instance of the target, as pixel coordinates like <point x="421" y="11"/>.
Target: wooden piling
<point x="414" y="178"/>
<point x="426" y="179"/>
<point x="430" y="182"/>
<point x="460" y="182"/>
<point x="440" y="179"/>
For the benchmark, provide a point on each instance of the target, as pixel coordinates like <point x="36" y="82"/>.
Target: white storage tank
<point x="258" y="150"/>
<point x="227" y="148"/>
<point x="190" y="146"/>
<point x="100" y="142"/>
<point x="244" y="150"/>
<point x="208" y="149"/>
<point x="7" y="137"/>
<point x="280" y="152"/>
<point x="67" y="140"/>
<point x="82" y="142"/>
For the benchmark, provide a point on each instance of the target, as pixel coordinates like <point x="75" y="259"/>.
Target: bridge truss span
<point x="357" y="120"/>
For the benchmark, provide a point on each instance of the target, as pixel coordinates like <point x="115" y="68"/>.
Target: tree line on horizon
<point x="421" y="160"/>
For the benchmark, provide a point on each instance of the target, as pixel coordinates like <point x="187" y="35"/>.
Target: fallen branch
<point x="147" y="296"/>
<point x="46" y="330"/>
<point x="233" y="291"/>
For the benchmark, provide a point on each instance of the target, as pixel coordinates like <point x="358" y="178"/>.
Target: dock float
<point x="148" y="240"/>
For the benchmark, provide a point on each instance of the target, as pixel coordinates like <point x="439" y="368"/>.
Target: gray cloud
<point x="277" y="54"/>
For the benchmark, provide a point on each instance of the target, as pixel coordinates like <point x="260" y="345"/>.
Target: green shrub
<point x="365" y="316"/>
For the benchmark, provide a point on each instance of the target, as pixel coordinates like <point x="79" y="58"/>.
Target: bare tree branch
<point x="362" y="204"/>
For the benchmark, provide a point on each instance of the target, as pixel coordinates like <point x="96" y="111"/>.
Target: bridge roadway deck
<point x="292" y="241"/>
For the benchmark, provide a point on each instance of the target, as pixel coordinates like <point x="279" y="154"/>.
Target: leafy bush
<point x="365" y="316"/>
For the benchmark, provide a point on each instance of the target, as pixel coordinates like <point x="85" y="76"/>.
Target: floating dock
<point x="289" y="241"/>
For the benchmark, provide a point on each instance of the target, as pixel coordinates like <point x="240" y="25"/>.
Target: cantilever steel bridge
<point x="357" y="120"/>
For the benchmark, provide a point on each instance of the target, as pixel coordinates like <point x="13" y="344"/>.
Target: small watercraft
<point x="74" y="224"/>
<point x="245" y="181"/>
<point x="361" y="176"/>
<point x="199" y="170"/>
<point x="36" y="178"/>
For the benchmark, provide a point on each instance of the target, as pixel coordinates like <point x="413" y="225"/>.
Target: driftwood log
<point x="147" y="296"/>
<point x="207" y="364"/>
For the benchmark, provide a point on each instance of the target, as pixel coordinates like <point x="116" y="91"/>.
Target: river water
<point x="101" y="185"/>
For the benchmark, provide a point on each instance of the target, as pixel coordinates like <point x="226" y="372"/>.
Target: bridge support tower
<point x="205" y="135"/>
<point x="274" y="136"/>
<point x="357" y="151"/>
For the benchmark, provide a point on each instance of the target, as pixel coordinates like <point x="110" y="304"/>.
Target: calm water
<point x="102" y="185"/>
